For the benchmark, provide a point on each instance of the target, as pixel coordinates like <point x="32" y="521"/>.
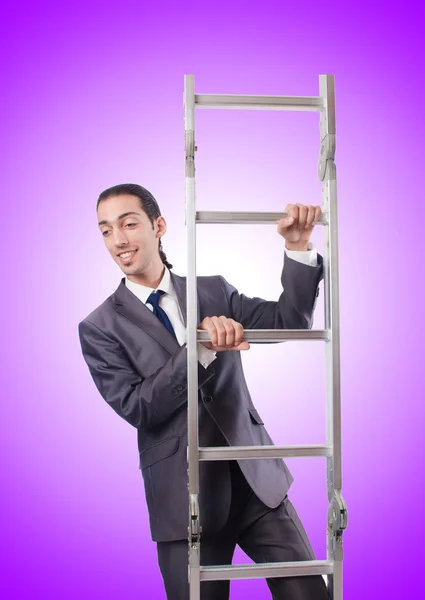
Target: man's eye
<point x="105" y="232"/>
<point x="131" y="224"/>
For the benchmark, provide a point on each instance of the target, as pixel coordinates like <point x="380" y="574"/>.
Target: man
<point x="134" y="344"/>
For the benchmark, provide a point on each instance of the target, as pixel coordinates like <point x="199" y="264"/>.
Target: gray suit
<point x="140" y="370"/>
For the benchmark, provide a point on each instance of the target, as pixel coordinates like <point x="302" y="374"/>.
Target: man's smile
<point x="126" y="256"/>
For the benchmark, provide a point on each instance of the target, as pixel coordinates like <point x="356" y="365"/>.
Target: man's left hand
<point x="297" y="227"/>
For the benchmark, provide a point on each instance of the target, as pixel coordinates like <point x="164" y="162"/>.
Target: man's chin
<point x="125" y="266"/>
<point x="131" y="269"/>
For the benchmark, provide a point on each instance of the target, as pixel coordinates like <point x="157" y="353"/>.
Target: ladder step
<point x="265" y="570"/>
<point x="244" y="218"/>
<point x="273" y="335"/>
<point x="311" y="103"/>
<point x="241" y="452"/>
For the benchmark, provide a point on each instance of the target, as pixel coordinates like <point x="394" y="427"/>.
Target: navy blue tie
<point x="160" y="312"/>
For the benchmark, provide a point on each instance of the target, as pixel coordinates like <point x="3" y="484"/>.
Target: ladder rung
<point x="314" y="103"/>
<point x="273" y="335"/>
<point x="244" y="218"/>
<point x="240" y="452"/>
<point x="265" y="570"/>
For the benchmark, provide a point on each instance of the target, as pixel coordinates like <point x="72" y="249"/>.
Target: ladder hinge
<point x="337" y="514"/>
<point x="190" y="152"/>
<point x="327" y="154"/>
<point x="194" y="526"/>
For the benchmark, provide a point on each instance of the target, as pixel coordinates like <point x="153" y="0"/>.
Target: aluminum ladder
<point x="337" y="514"/>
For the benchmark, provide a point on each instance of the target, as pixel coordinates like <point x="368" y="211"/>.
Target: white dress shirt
<point x="169" y="303"/>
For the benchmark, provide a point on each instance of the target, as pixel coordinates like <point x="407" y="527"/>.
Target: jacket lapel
<point x="180" y="287"/>
<point x="128" y="305"/>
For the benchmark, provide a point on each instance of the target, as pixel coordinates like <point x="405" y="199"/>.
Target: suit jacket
<point x="140" y="369"/>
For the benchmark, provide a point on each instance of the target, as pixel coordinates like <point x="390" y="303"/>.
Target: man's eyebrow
<point x="126" y="214"/>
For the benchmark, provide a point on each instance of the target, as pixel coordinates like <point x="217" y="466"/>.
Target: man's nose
<point x="119" y="238"/>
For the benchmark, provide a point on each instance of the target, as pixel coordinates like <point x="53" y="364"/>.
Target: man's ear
<point x="161" y="226"/>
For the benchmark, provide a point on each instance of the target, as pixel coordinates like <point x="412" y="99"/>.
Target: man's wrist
<point x="300" y="246"/>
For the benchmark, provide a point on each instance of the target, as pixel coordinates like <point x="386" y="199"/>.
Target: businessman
<point x="134" y="344"/>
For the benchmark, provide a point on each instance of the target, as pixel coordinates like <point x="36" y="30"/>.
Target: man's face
<point x="130" y="233"/>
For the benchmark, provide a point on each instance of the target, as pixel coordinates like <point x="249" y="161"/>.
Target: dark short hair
<point x="147" y="202"/>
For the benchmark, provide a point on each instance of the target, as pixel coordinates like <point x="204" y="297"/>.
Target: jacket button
<point x="208" y="399"/>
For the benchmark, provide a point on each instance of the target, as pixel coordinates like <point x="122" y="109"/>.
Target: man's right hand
<point x="225" y="334"/>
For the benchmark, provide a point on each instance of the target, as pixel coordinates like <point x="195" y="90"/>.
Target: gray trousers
<point x="264" y="534"/>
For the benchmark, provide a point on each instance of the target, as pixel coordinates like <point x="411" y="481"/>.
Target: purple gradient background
<point x="92" y="96"/>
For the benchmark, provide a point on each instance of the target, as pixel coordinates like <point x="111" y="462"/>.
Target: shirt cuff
<point x="205" y="356"/>
<point x="307" y="257"/>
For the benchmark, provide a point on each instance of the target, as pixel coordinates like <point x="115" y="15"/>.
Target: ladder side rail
<point x="327" y="174"/>
<point x="192" y="357"/>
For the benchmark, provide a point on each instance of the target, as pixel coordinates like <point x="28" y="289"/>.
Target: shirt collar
<point x="143" y="292"/>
